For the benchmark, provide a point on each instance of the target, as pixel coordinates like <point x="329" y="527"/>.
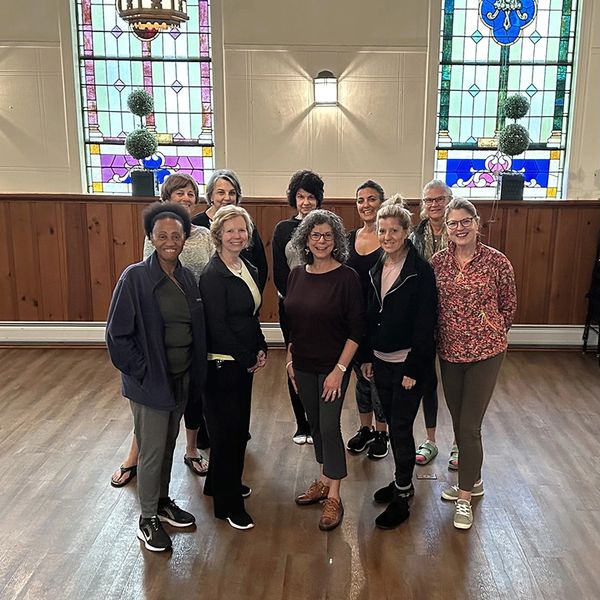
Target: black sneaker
<point x="246" y="491"/>
<point x="151" y="532"/>
<point x="379" y="446"/>
<point x="170" y="513"/>
<point x="386" y="494"/>
<point x="397" y="512"/>
<point x="240" y="520"/>
<point x="364" y="436"/>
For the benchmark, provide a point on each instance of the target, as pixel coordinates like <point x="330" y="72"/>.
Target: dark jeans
<point x="367" y="399"/>
<point x="228" y="397"/>
<point x="400" y="407"/>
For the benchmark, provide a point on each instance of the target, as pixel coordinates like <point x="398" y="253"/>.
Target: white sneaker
<point x="299" y="438"/>
<point x="463" y="515"/>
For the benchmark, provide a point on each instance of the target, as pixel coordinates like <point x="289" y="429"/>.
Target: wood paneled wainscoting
<point x="61" y="255"/>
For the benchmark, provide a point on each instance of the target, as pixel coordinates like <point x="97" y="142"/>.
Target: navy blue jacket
<point x="135" y="335"/>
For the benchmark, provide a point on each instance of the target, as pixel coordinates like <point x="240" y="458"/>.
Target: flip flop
<point x="428" y="450"/>
<point x="130" y="473"/>
<point x="192" y="461"/>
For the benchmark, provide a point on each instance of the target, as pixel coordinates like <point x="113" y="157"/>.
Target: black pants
<point x="228" y="396"/>
<point x="194" y="419"/>
<point x="430" y="400"/>
<point x="400" y="407"/>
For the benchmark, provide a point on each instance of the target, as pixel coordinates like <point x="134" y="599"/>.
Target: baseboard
<point x="39" y="333"/>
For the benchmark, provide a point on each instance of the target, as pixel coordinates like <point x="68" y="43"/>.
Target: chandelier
<point x="147" y="18"/>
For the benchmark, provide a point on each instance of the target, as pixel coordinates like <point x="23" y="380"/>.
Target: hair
<point x="157" y="211"/>
<point x="309" y="181"/>
<point x="395" y="208"/>
<point x="434" y="183"/>
<point x="373" y="185"/>
<point x="461" y="204"/>
<point x="228" y="175"/>
<point x="224" y="214"/>
<point x="320" y="217"/>
<point x="177" y="181"/>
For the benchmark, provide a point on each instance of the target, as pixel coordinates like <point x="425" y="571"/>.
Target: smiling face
<point x="305" y="202"/>
<point x="367" y="204"/>
<point x="392" y="236"/>
<point x="462" y="227"/>
<point x="185" y="196"/>
<point x="234" y="236"/>
<point x="223" y="194"/>
<point x="321" y="241"/>
<point x="434" y="203"/>
<point x="168" y="238"/>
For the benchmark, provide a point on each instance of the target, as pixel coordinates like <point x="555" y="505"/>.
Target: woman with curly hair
<point x="327" y="322"/>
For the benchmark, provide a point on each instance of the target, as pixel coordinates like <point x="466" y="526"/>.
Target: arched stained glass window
<point x="175" y="68"/>
<point x="490" y="50"/>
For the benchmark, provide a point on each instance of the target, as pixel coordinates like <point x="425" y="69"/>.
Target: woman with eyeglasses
<point x="477" y="304"/>
<point x="429" y="237"/>
<point x="326" y="318"/>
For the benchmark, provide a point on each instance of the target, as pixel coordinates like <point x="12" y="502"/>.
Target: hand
<point x="261" y="359"/>
<point x="290" y="371"/>
<point x="408" y="383"/>
<point x="332" y="386"/>
<point x="367" y="370"/>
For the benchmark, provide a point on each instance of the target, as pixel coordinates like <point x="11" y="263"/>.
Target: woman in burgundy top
<point x="477" y="303"/>
<point x="327" y="322"/>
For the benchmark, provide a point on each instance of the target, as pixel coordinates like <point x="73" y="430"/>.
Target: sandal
<point x="453" y="459"/>
<point x="197" y="464"/>
<point x="128" y="472"/>
<point x="427" y="452"/>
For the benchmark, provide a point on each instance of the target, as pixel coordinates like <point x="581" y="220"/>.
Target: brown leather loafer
<point x="316" y="492"/>
<point x="332" y="514"/>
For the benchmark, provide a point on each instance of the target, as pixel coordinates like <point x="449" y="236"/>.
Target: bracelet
<point x="286" y="366"/>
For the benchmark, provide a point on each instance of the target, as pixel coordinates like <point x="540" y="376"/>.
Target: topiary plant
<point x="514" y="138"/>
<point x="140" y="143"/>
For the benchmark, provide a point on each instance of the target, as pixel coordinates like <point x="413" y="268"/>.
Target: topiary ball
<point x="140" y="103"/>
<point x="516" y="107"/>
<point x="513" y="139"/>
<point x="140" y="143"/>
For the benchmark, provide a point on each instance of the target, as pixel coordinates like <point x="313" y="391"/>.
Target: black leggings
<point x="430" y="400"/>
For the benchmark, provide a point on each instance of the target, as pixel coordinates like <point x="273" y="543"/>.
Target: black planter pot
<point x="511" y="186"/>
<point x="142" y="183"/>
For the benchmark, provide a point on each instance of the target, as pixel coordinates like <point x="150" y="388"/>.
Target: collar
<point x="223" y="269"/>
<point x="156" y="272"/>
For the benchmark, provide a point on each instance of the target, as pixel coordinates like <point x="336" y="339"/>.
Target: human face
<point x="392" y="236"/>
<point x="234" y="236"/>
<point x="367" y="204"/>
<point x="435" y="201"/>
<point x="462" y="235"/>
<point x="223" y="194"/>
<point x="305" y="202"/>
<point x="168" y="239"/>
<point x="185" y="196"/>
<point x="322" y="248"/>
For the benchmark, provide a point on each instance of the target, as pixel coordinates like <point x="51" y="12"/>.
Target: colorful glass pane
<point x="175" y="68"/>
<point x="487" y="56"/>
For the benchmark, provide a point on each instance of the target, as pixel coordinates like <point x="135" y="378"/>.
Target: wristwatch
<point x="341" y="367"/>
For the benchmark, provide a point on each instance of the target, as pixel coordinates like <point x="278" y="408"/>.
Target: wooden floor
<point x="66" y="534"/>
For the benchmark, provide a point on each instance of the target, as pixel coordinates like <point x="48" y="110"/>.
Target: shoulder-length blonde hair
<point x="223" y="215"/>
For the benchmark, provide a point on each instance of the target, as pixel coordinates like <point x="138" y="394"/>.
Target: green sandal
<point x="453" y="459"/>
<point x="428" y="451"/>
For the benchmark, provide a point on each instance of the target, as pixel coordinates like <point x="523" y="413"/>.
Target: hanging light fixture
<point x="325" y="89"/>
<point x="147" y="18"/>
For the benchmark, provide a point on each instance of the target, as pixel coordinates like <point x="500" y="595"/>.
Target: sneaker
<point x="379" y="446"/>
<point x="151" y="532"/>
<point x="316" y="492"/>
<point x="309" y="439"/>
<point x="453" y="459"/>
<point x="364" y="436"/>
<point x="396" y="512"/>
<point x="299" y="437"/>
<point x="240" y="520"/>
<point x="451" y="492"/>
<point x="386" y="494"/>
<point x="246" y="491"/>
<point x="463" y="515"/>
<point x="170" y="513"/>
<point x="332" y="515"/>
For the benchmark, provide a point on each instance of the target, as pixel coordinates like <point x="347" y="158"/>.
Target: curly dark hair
<point x="308" y="181"/>
<point x="320" y="217"/>
<point x="166" y="210"/>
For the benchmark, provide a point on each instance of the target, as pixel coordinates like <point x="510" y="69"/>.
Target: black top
<point x="361" y="263"/>
<point x="255" y="253"/>
<point x="284" y="230"/>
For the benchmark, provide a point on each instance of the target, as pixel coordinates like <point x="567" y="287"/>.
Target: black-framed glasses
<point x="436" y="200"/>
<point x="315" y="236"/>
<point x="467" y="222"/>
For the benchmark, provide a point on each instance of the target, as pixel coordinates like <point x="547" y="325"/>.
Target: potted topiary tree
<point x="141" y="143"/>
<point x="513" y="140"/>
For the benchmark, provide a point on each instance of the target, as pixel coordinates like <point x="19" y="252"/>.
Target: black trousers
<point x="228" y="397"/>
<point x="430" y="400"/>
<point x="400" y="407"/>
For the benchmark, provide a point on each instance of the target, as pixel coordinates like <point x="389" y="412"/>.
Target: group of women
<point x="378" y="301"/>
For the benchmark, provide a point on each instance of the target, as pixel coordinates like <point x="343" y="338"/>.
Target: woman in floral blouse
<point x="477" y="303"/>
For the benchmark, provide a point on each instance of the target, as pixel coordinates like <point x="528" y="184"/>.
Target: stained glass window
<point x="175" y="68"/>
<point x="490" y="50"/>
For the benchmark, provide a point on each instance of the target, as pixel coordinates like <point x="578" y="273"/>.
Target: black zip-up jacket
<point x="407" y="316"/>
<point x="232" y="325"/>
<point x="135" y="335"/>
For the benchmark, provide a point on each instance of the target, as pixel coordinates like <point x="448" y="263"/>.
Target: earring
<point x="306" y="251"/>
<point x="336" y="253"/>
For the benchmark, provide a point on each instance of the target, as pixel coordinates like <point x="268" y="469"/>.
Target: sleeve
<point x="214" y="296"/>
<point x="281" y="270"/>
<point x="259" y="259"/>
<point x="507" y="292"/>
<point x="123" y="349"/>
<point x="355" y="308"/>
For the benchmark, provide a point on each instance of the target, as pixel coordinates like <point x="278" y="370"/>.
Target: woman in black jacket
<point x="400" y="353"/>
<point x="231" y="292"/>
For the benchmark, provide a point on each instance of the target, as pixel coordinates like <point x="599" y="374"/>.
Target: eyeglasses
<point x="464" y="222"/>
<point x="315" y="236"/>
<point x="436" y="200"/>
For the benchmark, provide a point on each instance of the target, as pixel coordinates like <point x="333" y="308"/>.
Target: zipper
<point x="391" y="291"/>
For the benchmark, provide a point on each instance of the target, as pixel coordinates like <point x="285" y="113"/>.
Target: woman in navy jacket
<point x="400" y="352"/>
